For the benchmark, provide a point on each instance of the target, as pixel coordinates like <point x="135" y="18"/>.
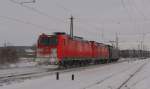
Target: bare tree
<point x="8" y="54"/>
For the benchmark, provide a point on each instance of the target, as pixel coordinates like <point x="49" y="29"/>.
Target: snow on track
<point x="100" y="77"/>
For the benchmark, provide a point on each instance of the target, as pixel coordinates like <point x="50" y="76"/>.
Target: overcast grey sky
<point x="97" y="20"/>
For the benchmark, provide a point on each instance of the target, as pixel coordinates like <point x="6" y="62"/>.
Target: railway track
<point x="21" y="77"/>
<point x="100" y="81"/>
<point x="124" y="84"/>
<point x="106" y="78"/>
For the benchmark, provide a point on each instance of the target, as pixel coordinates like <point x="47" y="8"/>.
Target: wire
<point x="37" y="11"/>
<point x="25" y="22"/>
<point x="123" y="3"/>
<point x="64" y="8"/>
<point x="139" y="11"/>
<point x="70" y="11"/>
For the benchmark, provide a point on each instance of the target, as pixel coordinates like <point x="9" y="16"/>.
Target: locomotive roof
<point x="59" y="33"/>
<point x="74" y="37"/>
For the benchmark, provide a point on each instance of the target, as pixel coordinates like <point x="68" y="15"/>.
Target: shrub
<point x="8" y="55"/>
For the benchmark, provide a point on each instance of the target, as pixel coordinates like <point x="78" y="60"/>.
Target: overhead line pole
<point x="117" y="41"/>
<point x="71" y="26"/>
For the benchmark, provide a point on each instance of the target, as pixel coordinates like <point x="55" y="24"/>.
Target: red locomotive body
<point x="74" y="48"/>
<point x="61" y="49"/>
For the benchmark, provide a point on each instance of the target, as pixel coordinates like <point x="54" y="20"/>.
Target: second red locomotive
<point x="63" y="50"/>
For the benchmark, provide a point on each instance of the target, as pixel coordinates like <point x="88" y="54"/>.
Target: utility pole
<point x="142" y="45"/>
<point x="143" y="40"/>
<point x="102" y="35"/>
<point x="71" y="26"/>
<point x="5" y="44"/>
<point x="117" y="41"/>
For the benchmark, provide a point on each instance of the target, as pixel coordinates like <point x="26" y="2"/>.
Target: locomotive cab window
<point x="48" y="41"/>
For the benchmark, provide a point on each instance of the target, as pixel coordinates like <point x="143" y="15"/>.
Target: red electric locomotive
<point x="61" y="49"/>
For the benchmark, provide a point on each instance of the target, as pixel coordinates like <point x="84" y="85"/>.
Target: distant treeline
<point x="11" y="54"/>
<point x="134" y="53"/>
<point x="8" y="55"/>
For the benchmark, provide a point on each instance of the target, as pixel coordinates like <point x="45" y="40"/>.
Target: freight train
<point x="63" y="50"/>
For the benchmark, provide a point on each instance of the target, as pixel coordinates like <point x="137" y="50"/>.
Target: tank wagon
<point x="63" y="50"/>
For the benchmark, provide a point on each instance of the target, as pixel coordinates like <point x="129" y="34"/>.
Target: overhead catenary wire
<point x="129" y="13"/>
<point x="44" y="14"/>
<point x="145" y="19"/>
<point x="41" y="13"/>
<point x="37" y="11"/>
<point x="139" y="11"/>
<point x="72" y="14"/>
<point x="123" y="3"/>
<point x="61" y="6"/>
<point x="29" y="23"/>
<point x="67" y="10"/>
<point x="135" y="25"/>
<point x="25" y="22"/>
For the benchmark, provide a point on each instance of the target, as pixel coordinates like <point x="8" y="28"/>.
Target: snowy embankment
<point x="21" y="68"/>
<point x="110" y="76"/>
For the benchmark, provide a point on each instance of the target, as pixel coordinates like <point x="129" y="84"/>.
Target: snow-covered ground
<point x="110" y="76"/>
<point x="23" y="66"/>
<point x="141" y="80"/>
